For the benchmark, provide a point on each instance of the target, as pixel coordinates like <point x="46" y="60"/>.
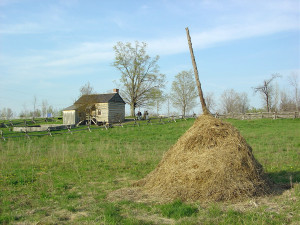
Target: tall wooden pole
<point x="202" y="100"/>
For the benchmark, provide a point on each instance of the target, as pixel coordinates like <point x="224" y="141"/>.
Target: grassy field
<point x="65" y="179"/>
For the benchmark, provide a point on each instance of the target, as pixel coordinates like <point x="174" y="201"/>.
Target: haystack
<point x="210" y="162"/>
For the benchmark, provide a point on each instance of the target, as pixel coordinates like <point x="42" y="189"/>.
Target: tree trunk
<point x="268" y="107"/>
<point x="132" y="110"/>
<point x="202" y="100"/>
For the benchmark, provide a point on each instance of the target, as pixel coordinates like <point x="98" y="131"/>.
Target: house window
<point x="99" y="112"/>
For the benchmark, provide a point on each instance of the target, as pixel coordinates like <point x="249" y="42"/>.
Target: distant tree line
<point x="142" y="85"/>
<point x="37" y="111"/>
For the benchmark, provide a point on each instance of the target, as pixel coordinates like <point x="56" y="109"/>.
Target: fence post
<point x="26" y="134"/>
<point x="1" y="133"/>
<point x="160" y="120"/>
<point x="106" y="125"/>
<point x="169" y="120"/>
<point x="136" y="123"/>
<point x="69" y="129"/>
<point x="89" y="129"/>
<point x="49" y="133"/>
<point x="149" y="121"/>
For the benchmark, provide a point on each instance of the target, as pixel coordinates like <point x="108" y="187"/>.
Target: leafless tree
<point x="44" y="108"/>
<point x="267" y="91"/>
<point x="6" y="113"/>
<point x="294" y="82"/>
<point x="234" y="102"/>
<point x="158" y="98"/>
<point x="210" y="101"/>
<point x="243" y="102"/>
<point x="184" y="92"/>
<point x="168" y="99"/>
<point x="286" y="102"/>
<point x="86" y="89"/>
<point x="34" y="106"/>
<point x="140" y="74"/>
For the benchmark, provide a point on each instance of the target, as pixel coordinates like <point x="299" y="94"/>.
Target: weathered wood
<point x="69" y="129"/>
<point x="202" y="100"/>
<point x="261" y="115"/>
<point x="2" y="137"/>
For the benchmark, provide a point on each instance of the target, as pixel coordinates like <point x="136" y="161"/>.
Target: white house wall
<point x="70" y="117"/>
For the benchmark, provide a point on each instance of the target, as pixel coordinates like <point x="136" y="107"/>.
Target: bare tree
<point x="3" y="113"/>
<point x="294" y="82"/>
<point x="267" y="91"/>
<point x="6" y="113"/>
<point x="34" y="106"/>
<point x="157" y="99"/>
<point x="243" y="102"/>
<point x="234" y="102"/>
<point x="168" y="99"/>
<point x="276" y="97"/>
<point x="286" y="102"/>
<point x="184" y="92"/>
<point x="44" y="108"/>
<point x="140" y="74"/>
<point x="86" y="89"/>
<point x="51" y="110"/>
<point x="210" y="101"/>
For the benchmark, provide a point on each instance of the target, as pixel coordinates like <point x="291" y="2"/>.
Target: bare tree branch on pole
<point x="202" y="100"/>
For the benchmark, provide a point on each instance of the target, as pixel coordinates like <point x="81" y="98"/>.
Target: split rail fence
<point x="260" y="115"/>
<point x="134" y="123"/>
<point x="71" y="129"/>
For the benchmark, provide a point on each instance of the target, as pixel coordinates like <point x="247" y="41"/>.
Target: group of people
<point x="145" y="116"/>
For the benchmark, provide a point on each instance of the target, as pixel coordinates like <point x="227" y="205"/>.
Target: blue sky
<point x="50" y="48"/>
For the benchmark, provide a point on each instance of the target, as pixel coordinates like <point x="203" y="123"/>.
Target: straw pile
<point x="210" y="162"/>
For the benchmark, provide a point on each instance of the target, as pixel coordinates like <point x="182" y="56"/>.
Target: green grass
<point x="66" y="178"/>
<point x="177" y="210"/>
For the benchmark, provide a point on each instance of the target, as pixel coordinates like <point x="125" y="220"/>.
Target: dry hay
<point x="210" y="162"/>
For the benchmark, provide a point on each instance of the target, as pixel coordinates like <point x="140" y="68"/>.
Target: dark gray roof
<point x="96" y="98"/>
<point x="99" y="98"/>
<point x="72" y="107"/>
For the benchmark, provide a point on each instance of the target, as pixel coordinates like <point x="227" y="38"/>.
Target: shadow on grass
<point x="283" y="180"/>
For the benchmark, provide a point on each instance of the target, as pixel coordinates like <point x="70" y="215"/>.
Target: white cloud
<point x="246" y="27"/>
<point x="22" y="28"/>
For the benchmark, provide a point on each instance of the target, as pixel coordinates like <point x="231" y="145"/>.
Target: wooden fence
<point x="61" y="129"/>
<point x="134" y="122"/>
<point x="260" y="115"/>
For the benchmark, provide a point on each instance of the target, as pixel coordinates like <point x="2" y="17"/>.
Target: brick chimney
<point x="116" y="90"/>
